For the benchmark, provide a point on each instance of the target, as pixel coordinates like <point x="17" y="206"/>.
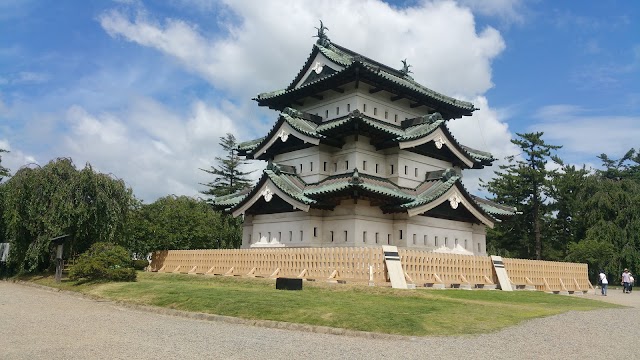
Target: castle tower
<point x="361" y="155"/>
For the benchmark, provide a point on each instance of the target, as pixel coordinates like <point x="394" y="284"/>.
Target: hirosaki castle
<point x="360" y="155"/>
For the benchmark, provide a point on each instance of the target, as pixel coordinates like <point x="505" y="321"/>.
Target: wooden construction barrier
<point x="366" y="265"/>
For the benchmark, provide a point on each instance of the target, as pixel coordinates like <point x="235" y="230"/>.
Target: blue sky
<point x="144" y="90"/>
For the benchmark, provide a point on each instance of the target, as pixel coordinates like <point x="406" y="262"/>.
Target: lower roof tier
<point x="442" y="195"/>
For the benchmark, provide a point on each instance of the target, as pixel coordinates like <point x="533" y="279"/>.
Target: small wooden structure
<point x="59" y="242"/>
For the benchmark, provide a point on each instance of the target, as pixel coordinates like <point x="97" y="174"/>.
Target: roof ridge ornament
<point x="355" y="178"/>
<point x="405" y="68"/>
<point x="323" y="39"/>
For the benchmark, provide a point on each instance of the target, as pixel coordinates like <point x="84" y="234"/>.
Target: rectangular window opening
<point x="395" y="118"/>
<point x="376" y="168"/>
<point x="301" y="235"/>
<point x="345" y="236"/>
<point x="346" y="165"/>
<point x="337" y="110"/>
<point x="377" y="238"/>
<point x="364" y="165"/>
<point x="324" y="166"/>
<point x="290" y="236"/>
<point x="315" y="231"/>
<point x="331" y="232"/>
<point x="364" y="236"/>
<point x="348" y="107"/>
<point x="386" y="115"/>
<point x="435" y="241"/>
<point x="406" y="169"/>
<point x="364" y="108"/>
<point x="311" y="166"/>
<point x="326" y="114"/>
<point x="424" y="240"/>
<point x="388" y="239"/>
<point x="416" y="172"/>
<point x="414" y="239"/>
<point x="400" y="234"/>
<point x="391" y="169"/>
<point x="375" y="111"/>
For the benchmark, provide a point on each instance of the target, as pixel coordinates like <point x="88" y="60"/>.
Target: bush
<point x="103" y="261"/>
<point x="140" y="264"/>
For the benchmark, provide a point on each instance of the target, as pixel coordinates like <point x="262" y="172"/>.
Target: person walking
<point x="631" y="281"/>
<point x="626" y="279"/>
<point x="604" y="283"/>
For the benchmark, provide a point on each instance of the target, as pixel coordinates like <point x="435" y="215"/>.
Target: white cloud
<point x="509" y="11"/>
<point x="262" y="52"/>
<point x="584" y="134"/>
<point x="154" y="149"/>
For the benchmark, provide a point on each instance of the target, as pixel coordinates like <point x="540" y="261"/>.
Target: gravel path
<point x="42" y="324"/>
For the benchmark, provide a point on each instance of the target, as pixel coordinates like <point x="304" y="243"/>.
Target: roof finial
<point x="405" y="68"/>
<point x="323" y="39"/>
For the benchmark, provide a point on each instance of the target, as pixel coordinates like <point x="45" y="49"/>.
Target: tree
<point x="45" y="202"/>
<point x="177" y="223"/>
<point x="229" y="178"/>
<point x="524" y="184"/>
<point x="4" y="172"/>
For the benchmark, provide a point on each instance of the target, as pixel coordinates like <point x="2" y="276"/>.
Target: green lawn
<point x="384" y="310"/>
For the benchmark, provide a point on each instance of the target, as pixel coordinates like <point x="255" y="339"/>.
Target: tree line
<point x="39" y="203"/>
<point x="565" y="212"/>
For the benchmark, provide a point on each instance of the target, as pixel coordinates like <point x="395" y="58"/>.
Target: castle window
<point x="395" y="118"/>
<point x="335" y="167"/>
<point x="348" y="107"/>
<point x="259" y="236"/>
<point x="375" y="111"/>
<point x="391" y="169"/>
<point x="301" y="235"/>
<point x="435" y="241"/>
<point x="414" y="239"/>
<point x="424" y="240"/>
<point x="300" y="167"/>
<point x="376" y="168"/>
<point x="364" y="236"/>
<point x="346" y="165"/>
<point x="331" y="235"/>
<point x="446" y="241"/>
<point x="388" y="239"/>
<point x="386" y="115"/>
<point x="249" y="238"/>
<point x="406" y="169"/>
<point x="364" y="108"/>
<point x="269" y="238"/>
<point x="479" y="248"/>
<point x="465" y="243"/>
<point x="326" y="114"/>
<point x="400" y="234"/>
<point x="324" y="166"/>
<point x="337" y="110"/>
<point x="279" y="236"/>
<point x="315" y="232"/>
<point x="364" y="165"/>
<point x="416" y="172"/>
<point x="311" y="166"/>
<point x="290" y="236"/>
<point x="345" y="236"/>
<point x="456" y="242"/>
<point x="377" y="238"/>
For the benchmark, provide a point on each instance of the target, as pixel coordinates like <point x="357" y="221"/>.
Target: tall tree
<point x="525" y="184"/>
<point x="45" y="202"/>
<point x="4" y="172"/>
<point x="229" y="176"/>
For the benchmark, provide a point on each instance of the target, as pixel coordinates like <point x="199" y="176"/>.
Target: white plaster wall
<point x="362" y="223"/>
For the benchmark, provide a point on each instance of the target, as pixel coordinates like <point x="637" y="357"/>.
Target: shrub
<point x="103" y="261"/>
<point x="140" y="264"/>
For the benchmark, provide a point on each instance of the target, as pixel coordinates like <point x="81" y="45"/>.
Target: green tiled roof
<point x="399" y="198"/>
<point x="394" y="132"/>
<point x="348" y="60"/>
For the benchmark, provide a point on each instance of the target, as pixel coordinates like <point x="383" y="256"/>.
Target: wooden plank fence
<point x="366" y="265"/>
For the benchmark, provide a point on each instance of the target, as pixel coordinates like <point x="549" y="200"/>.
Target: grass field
<point x="406" y="312"/>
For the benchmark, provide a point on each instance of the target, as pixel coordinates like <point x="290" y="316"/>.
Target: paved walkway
<point x="42" y="324"/>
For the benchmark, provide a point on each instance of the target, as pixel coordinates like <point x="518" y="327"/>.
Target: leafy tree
<point x="524" y="184"/>
<point x="45" y="202"/>
<point x="4" y="172"/>
<point x="178" y="223"/>
<point x="229" y="178"/>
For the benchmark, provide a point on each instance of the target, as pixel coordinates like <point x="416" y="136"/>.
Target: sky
<point x="143" y="90"/>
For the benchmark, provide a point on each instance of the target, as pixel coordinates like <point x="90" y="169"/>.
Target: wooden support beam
<point x="407" y="277"/>
<point x="374" y="90"/>
<point x="302" y="274"/>
<point x="396" y="97"/>
<point x="230" y="272"/>
<point x="575" y="282"/>
<point x="177" y="269"/>
<point x="275" y="273"/>
<point x="252" y="272"/>
<point x="333" y="275"/>
<point x="193" y="270"/>
<point x="162" y="268"/>
<point x="488" y="281"/>
<point x="210" y="271"/>
<point x="546" y="285"/>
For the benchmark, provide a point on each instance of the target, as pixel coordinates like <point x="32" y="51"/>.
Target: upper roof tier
<point x="347" y="66"/>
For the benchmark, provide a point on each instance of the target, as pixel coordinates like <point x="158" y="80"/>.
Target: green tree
<point x="4" y="172"/>
<point x="177" y="223"/>
<point x="524" y="184"/>
<point x="229" y="177"/>
<point x="45" y="202"/>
